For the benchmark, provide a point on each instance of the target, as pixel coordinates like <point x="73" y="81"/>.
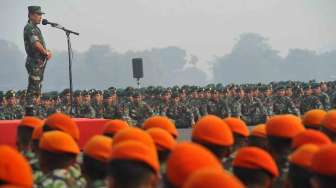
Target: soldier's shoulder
<point x="28" y="27"/>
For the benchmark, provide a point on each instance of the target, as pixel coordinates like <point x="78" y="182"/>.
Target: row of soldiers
<point x="286" y="152"/>
<point x="185" y="105"/>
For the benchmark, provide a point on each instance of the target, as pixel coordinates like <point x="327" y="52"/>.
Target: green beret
<point x="35" y="9"/>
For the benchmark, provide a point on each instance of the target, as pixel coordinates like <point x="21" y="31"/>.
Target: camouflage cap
<point x="85" y="93"/>
<point x="136" y="94"/>
<point x="279" y="87"/>
<point x="10" y="94"/>
<point x="97" y="92"/>
<point x="106" y="94"/>
<point x="306" y="86"/>
<point x="77" y="93"/>
<point x="315" y="85"/>
<point x="35" y="9"/>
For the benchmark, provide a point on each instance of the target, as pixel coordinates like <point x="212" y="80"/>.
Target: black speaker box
<point x="137" y="68"/>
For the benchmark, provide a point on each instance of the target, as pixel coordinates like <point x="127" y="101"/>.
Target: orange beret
<point x="58" y="142"/>
<point x="212" y="178"/>
<point x="323" y="161"/>
<point x="287" y="126"/>
<point x="137" y="151"/>
<point x="237" y="126"/>
<point x="30" y="121"/>
<point x="65" y="123"/>
<point x="329" y="121"/>
<point x="37" y="133"/>
<point x="256" y="158"/>
<point x="314" y="117"/>
<point x="14" y="168"/>
<point x="135" y="134"/>
<point x="162" y="139"/>
<point x="213" y="130"/>
<point x="113" y="126"/>
<point x="99" y="147"/>
<point x="163" y="123"/>
<point x="185" y="159"/>
<point x="310" y="136"/>
<point x="303" y="155"/>
<point x="259" y="131"/>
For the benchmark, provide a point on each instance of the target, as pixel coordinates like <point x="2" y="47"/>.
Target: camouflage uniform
<point x="218" y="108"/>
<point x="284" y="105"/>
<point x="234" y="104"/>
<point x="181" y="114"/>
<point x="253" y="111"/>
<point x="59" y="178"/>
<point x="308" y="102"/>
<point x="139" y="112"/>
<point x="98" y="108"/>
<point x="12" y="111"/>
<point x="324" y="99"/>
<point x="333" y="100"/>
<point x="35" y="62"/>
<point x="193" y="105"/>
<point x="84" y="110"/>
<point x="115" y="111"/>
<point x="76" y="174"/>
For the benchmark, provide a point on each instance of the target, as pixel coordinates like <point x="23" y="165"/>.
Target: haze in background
<point x="181" y="41"/>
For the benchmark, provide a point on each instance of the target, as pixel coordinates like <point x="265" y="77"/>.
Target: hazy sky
<point x="205" y="28"/>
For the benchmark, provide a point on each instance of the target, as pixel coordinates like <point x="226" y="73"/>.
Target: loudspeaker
<point x="137" y="68"/>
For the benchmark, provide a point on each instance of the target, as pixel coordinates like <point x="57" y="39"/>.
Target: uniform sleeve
<point x="32" y="35"/>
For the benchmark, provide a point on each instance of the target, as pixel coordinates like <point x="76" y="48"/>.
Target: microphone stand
<point x="67" y="33"/>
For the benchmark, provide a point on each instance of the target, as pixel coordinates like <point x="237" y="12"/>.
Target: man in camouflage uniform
<point x="113" y="108"/>
<point x="12" y="110"/>
<point x="57" y="173"/>
<point x="202" y="102"/>
<point x="83" y="108"/>
<point x="180" y="113"/>
<point x="64" y="105"/>
<point x="234" y="101"/>
<point x="97" y="103"/>
<point x="49" y="104"/>
<point x="38" y="109"/>
<point x="308" y="101"/>
<point x="323" y="97"/>
<point x="217" y="107"/>
<point x="138" y="110"/>
<point x="37" y="54"/>
<point x="164" y="103"/>
<point x="194" y="104"/>
<point x="253" y="111"/>
<point x="283" y="104"/>
<point x="266" y="99"/>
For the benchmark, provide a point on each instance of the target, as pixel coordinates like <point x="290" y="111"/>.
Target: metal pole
<point x="138" y="83"/>
<point x="70" y="71"/>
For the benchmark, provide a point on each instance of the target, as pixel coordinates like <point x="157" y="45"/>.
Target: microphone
<point x="45" y="22"/>
<point x="58" y="26"/>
